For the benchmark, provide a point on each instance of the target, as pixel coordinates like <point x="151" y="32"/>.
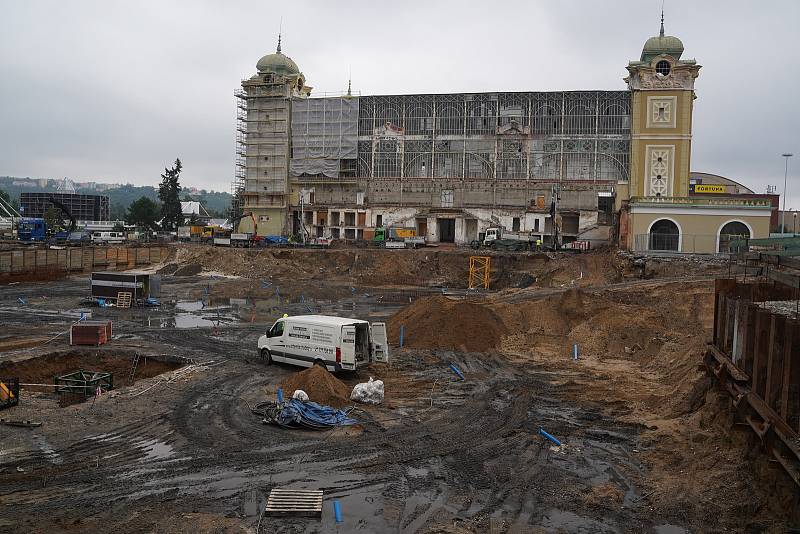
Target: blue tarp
<point x="294" y="413"/>
<point x="307" y="413"/>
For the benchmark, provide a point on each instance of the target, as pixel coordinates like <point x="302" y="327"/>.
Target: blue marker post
<point x="402" y="333"/>
<point x="575" y="351"/>
<point x="337" y="511"/>
<point x="457" y="371"/>
<point x="550" y="437"/>
<point x="280" y="395"/>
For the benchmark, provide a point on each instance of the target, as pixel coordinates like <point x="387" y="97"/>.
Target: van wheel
<point x="266" y="357"/>
<point x="320" y="363"/>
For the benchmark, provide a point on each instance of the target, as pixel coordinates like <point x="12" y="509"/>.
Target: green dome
<point x="662" y="44"/>
<point x="277" y="63"/>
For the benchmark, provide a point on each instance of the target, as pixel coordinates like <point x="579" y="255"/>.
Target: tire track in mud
<point x="467" y="446"/>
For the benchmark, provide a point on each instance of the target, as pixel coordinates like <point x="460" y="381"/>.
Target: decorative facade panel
<point x="661" y="111"/>
<point x="660" y="169"/>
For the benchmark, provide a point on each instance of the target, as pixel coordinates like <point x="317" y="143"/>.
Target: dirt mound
<point x="321" y="387"/>
<point x="189" y="270"/>
<point x="442" y="323"/>
<point x="169" y="268"/>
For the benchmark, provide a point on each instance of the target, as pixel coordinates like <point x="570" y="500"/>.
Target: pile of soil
<point x="320" y="386"/>
<point x="189" y="270"/>
<point x="441" y="323"/>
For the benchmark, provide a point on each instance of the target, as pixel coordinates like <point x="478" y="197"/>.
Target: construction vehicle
<point x="69" y="236"/>
<point x="244" y="239"/>
<point x="207" y="236"/>
<point x="393" y="237"/>
<point x="31" y="229"/>
<point x="222" y="237"/>
<point x="9" y="392"/>
<point x="497" y="238"/>
<point x="190" y="233"/>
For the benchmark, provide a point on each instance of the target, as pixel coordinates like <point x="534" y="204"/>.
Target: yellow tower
<point x="662" y="95"/>
<point x="661" y="213"/>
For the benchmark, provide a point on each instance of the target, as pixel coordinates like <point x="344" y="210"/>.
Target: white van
<point x="338" y="343"/>
<point x="108" y="237"/>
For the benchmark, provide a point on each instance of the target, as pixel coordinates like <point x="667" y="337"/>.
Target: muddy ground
<point x="649" y="444"/>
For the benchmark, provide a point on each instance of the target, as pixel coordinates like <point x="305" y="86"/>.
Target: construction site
<point x="564" y="392"/>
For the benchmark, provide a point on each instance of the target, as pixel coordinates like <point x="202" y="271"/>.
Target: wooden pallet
<point x="124" y="299"/>
<point x="289" y="501"/>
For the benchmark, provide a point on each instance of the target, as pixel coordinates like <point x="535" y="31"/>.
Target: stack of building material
<point x="90" y="333"/>
<point x="292" y="501"/>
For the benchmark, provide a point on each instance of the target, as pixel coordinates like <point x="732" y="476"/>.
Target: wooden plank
<point x="760" y="351"/>
<point x="775" y="361"/>
<point x="298" y="502"/>
<point x="787" y="279"/>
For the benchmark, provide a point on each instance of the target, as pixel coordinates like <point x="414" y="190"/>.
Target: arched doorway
<point x="731" y="231"/>
<point x="664" y="235"/>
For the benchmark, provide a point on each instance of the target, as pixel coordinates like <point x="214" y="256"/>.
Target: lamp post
<point x="786" y="155"/>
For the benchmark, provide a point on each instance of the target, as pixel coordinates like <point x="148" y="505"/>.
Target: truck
<point x="335" y="343"/>
<point x="190" y="233"/>
<point x="222" y="237"/>
<point x="31" y="229"/>
<point x="245" y="239"/>
<point x="498" y="238"/>
<point x="407" y="236"/>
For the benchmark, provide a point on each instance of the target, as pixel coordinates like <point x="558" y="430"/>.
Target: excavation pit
<point x="46" y="369"/>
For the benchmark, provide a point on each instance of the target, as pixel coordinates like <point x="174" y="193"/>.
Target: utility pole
<point x="786" y="155"/>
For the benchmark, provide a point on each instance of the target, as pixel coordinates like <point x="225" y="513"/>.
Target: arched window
<point x="732" y="231"/>
<point x="664" y="235"/>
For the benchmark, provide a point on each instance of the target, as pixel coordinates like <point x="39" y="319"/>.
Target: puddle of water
<point x="155" y="449"/>
<point x="211" y="312"/>
<point x="252" y="503"/>
<point x="563" y="521"/>
<point x="46" y="449"/>
<point x="670" y="529"/>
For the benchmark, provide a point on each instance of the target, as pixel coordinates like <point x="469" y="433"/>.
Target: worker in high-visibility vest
<point x="538" y="244"/>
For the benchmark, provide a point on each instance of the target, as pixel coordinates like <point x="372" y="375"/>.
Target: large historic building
<point x="589" y="165"/>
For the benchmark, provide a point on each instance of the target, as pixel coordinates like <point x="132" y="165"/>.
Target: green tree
<point x="143" y="212"/>
<point x="52" y="219"/>
<point x="169" y="193"/>
<point x="118" y="211"/>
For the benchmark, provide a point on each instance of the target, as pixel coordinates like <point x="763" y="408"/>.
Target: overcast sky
<point x="114" y="91"/>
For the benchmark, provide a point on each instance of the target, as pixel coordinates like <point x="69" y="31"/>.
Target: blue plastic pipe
<point x="550" y="437"/>
<point x="402" y="333"/>
<point x="457" y="371"/>
<point x="337" y="511"/>
<point x="575" y="351"/>
<point x="280" y="394"/>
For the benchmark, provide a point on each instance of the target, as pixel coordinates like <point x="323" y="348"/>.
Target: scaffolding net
<point x="324" y="132"/>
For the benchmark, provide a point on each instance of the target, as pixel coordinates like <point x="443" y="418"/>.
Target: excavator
<point x="68" y="236"/>
<point x="244" y="239"/>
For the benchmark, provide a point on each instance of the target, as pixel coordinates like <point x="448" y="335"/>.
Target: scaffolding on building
<point x="240" y="170"/>
<point x="81" y="207"/>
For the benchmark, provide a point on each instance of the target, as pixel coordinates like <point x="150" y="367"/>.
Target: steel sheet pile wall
<point x="756" y="357"/>
<point x="79" y="259"/>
